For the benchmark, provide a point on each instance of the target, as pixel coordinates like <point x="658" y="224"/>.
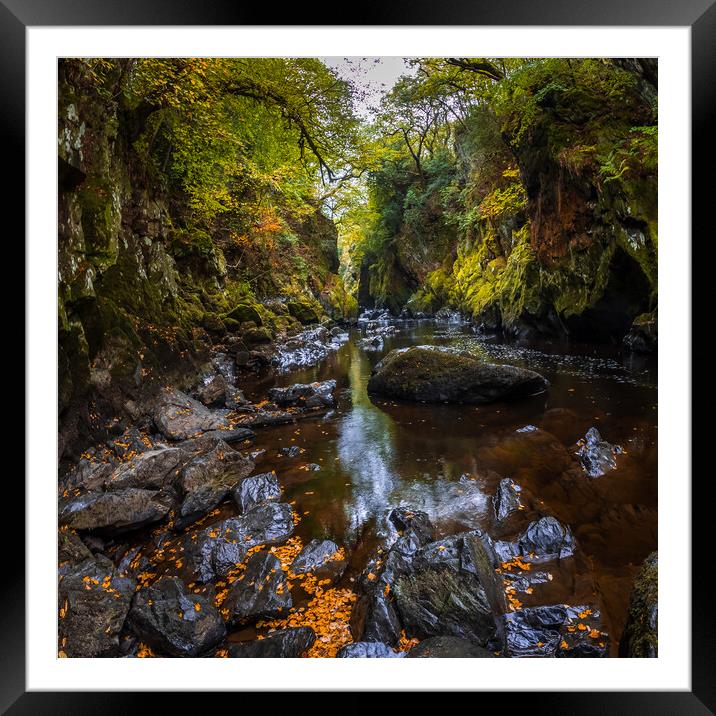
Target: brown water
<point x="447" y="459"/>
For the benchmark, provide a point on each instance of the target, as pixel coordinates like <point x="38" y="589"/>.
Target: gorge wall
<point x="142" y="287"/>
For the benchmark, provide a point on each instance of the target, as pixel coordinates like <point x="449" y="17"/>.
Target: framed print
<point x="356" y="344"/>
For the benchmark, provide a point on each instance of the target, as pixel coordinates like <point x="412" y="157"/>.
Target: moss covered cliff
<point x="143" y="280"/>
<point x="537" y="213"/>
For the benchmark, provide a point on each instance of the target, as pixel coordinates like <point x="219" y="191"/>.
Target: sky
<point x="373" y="75"/>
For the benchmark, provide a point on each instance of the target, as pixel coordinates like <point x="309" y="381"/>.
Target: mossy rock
<point x="433" y="375"/>
<point x="257" y="335"/>
<point x="213" y="324"/>
<point x="640" y="638"/>
<point x="245" y="312"/>
<point x="302" y="311"/>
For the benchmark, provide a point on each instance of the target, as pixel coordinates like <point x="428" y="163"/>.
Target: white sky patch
<point x="371" y="76"/>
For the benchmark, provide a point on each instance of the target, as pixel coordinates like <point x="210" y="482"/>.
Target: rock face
<point x="597" y="456"/>
<point x="448" y="647"/>
<point x="180" y="417"/>
<point x="367" y="650"/>
<point x="433" y="375"/>
<point x="93" y="603"/>
<point x="310" y="395"/>
<point x="261" y="591"/>
<point x="640" y="637"/>
<point x="175" y="621"/>
<point x="284" y="644"/>
<point x="111" y="513"/>
<point x="256" y="489"/>
<point x="220" y="547"/>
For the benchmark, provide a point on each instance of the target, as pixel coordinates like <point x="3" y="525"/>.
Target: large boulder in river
<point x="214" y="551"/>
<point x="180" y="417"/>
<point x="323" y="558"/>
<point x="640" y="637"/>
<point x="283" y="644"/>
<point x="93" y="603"/>
<point x="174" y="621"/>
<point x="112" y="513"/>
<point x="433" y="375"/>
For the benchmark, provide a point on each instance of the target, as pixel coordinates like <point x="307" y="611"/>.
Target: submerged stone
<point x="284" y="644"/>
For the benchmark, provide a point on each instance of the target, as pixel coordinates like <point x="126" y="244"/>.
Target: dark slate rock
<point x="431" y="374"/>
<point x="256" y="489"/>
<point x="597" y="456"/>
<point x="448" y="647"/>
<point x="291" y="451"/>
<point x="284" y="644"/>
<point x="368" y="650"/>
<point x="93" y="602"/>
<point x="152" y="470"/>
<point x="314" y="556"/>
<point x="406" y="520"/>
<point x="553" y="631"/>
<point x="547" y="538"/>
<point x="207" y="479"/>
<point x="260" y="591"/>
<point x="180" y="417"/>
<point x="218" y="548"/>
<point x="304" y="395"/>
<point x="71" y="549"/>
<point x="112" y="513"/>
<point x="506" y="501"/>
<point x="174" y="621"/>
<point x="640" y="637"/>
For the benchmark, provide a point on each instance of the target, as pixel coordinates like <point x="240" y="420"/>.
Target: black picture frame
<point x="699" y="15"/>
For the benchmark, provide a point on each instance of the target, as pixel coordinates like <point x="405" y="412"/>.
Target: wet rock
<point x="212" y="393"/>
<point x="218" y="548"/>
<point x="434" y="375"/>
<point x="407" y="520"/>
<point x="368" y="650"/>
<point x="448" y="647"/>
<point x="313" y="467"/>
<point x="284" y="644"/>
<point x="172" y="620"/>
<point x="180" y="417"/>
<point x="292" y="451"/>
<point x="375" y="619"/>
<point x="151" y="470"/>
<point x="314" y="555"/>
<point x="640" y="637"/>
<point x="93" y="602"/>
<point x="303" y="312"/>
<point x="130" y="442"/>
<point x="597" y="456"/>
<point x="506" y="501"/>
<point x="547" y="538"/>
<point x="207" y="479"/>
<point x="554" y="631"/>
<point x="443" y="588"/>
<point x="112" y="513"/>
<point x="643" y="334"/>
<point x="304" y="395"/>
<point x="257" y="335"/>
<point x="234" y="435"/>
<point x="308" y="348"/>
<point x="261" y="590"/>
<point x="256" y="489"/>
<point x="71" y="549"/>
